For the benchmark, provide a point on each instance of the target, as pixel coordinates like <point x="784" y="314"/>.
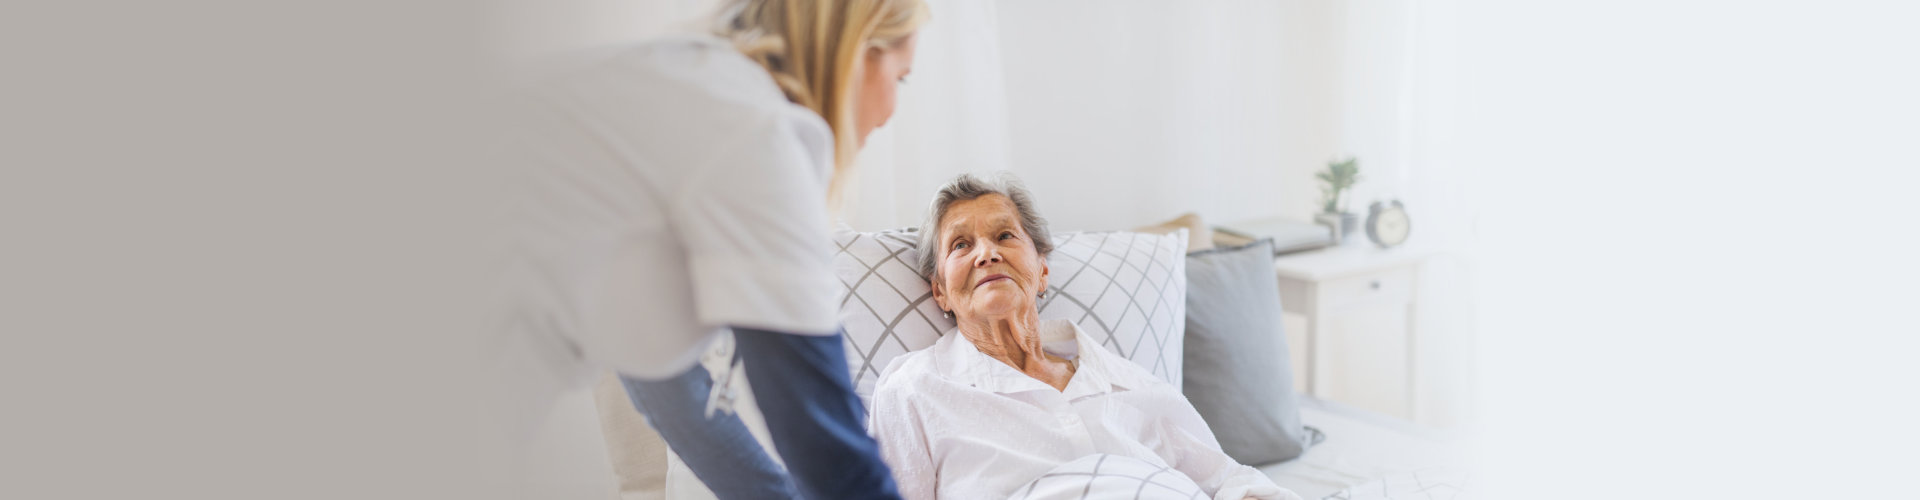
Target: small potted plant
<point x="1335" y="181"/>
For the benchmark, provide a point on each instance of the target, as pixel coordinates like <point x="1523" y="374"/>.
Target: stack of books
<point x="1289" y="235"/>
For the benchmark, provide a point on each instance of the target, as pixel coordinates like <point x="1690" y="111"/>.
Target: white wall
<point x="1125" y="114"/>
<point x="1119" y="114"/>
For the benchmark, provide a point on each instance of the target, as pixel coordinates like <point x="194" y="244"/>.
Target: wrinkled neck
<point x="1012" y="340"/>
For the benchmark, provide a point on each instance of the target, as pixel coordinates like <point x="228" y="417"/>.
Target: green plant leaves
<point x="1336" y="179"/>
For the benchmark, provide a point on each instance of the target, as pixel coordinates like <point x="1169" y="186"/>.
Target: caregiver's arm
<point x="813" y="415"/>
<point x="1191" y="448"/>
<point x="903" y="440"/>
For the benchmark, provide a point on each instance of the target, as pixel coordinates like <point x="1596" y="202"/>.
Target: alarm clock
<point x="1387" y="224"/>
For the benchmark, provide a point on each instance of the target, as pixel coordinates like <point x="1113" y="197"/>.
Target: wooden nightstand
<point x="1358" y="304"/>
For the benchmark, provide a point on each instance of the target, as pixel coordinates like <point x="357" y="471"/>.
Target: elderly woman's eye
<point x="1005" y="235"/>
<point x="960" y="245"/>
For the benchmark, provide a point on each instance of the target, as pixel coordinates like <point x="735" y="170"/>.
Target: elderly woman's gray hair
<point x="967" y="187"/>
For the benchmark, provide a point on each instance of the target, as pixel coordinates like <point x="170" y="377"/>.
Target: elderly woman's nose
<point x="987" y="255"/>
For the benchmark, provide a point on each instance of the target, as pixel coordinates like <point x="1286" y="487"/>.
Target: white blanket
<point x="1111" y="477"/>
<point x="1116" y="477"/>
<point x="1361" y="450"/>
<point x="1430" y="484"/>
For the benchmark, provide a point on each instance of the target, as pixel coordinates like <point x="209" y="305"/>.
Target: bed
<point x="1364" y="455"/>
<point x="886" y="311"/>
<point x="1368" y="455"/>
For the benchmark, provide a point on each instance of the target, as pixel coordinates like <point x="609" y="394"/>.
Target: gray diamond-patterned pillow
<point x="885" y="305"/>
<point x="1127" y="290"/>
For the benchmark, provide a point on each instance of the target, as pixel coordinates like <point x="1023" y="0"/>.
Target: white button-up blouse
<point x="955" y="423"/>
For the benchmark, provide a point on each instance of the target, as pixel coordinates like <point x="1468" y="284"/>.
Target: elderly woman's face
<point x="989" y="267"/>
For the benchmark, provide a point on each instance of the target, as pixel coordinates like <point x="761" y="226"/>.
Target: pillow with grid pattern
<point x="1126" y="290"/>
<point x="885" y="305"/>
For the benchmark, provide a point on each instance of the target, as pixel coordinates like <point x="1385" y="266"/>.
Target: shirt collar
<point x="961" y="361"/>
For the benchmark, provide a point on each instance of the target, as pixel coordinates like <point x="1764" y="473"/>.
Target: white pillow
<point x="885" y="305"/>
<point x="1127" y="290"/>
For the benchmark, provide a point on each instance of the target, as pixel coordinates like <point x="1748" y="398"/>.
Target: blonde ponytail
<point x="814" y="49"/>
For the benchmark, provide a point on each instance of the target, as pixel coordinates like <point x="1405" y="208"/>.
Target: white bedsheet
<point x="1362" y="449"/>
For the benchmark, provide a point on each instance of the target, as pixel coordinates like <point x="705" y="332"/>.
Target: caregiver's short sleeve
<point x="756" y="231"/>
<point x="671" y="191"/>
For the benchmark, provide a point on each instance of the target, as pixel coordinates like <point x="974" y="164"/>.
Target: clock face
<point x="1389" y="225"/>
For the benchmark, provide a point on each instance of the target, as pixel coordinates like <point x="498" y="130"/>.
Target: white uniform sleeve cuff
<point x="768" y="296"/>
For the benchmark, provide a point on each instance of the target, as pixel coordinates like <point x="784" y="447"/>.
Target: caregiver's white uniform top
<point x="673" y="191"/>
<point x="957" y="424"/>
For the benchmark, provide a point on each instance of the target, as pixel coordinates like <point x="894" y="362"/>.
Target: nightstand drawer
<point x="1392" y="285"/>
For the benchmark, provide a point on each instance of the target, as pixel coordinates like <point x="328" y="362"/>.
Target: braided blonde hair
<point x="815" y="50"/>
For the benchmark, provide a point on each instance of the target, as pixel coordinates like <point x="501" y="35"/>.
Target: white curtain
<point x="1122" y="113"/>
<point x="1115" y="114"/>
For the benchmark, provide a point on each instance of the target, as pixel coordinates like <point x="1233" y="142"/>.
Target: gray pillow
<point x="1237" y="366"/>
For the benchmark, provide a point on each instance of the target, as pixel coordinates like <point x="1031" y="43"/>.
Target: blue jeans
<point x="817" y="423"/>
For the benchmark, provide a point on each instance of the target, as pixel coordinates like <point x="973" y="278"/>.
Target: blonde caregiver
<point x="680" y="188"/>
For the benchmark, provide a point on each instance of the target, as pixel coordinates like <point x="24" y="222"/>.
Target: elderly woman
<point x="1012" y="406"/>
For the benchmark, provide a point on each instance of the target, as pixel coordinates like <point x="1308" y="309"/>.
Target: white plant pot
<point x="1342" y="225"/>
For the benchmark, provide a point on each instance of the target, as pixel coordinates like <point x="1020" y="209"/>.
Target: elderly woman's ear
<point x="939" y="296"/>
<point x="1043" y="278"/>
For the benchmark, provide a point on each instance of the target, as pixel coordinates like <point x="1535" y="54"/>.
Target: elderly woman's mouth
<point x="990" y="279"/>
